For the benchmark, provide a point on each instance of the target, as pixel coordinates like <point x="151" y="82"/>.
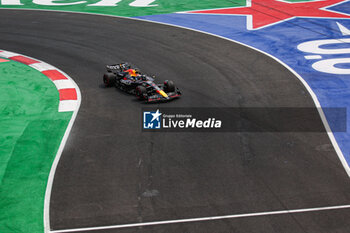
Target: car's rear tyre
<point x="109" y="79"/>
<point x="169" y="86"/>
<point x="141" y="92"/>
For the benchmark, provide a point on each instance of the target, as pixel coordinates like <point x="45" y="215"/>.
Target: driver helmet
<point x="132" y="72"/>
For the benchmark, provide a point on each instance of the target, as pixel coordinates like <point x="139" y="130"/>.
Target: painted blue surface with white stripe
<point x="281" y="41"/>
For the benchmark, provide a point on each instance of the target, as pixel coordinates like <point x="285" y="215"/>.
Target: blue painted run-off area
<point x="281" y="41"/>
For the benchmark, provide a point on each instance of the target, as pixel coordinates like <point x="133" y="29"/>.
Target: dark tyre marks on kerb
<point x="112" y="173"/>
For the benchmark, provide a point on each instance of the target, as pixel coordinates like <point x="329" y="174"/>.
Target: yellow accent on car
<point x="163" y="93"/>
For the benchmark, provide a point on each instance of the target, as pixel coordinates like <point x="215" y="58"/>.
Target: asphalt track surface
<point x="111" y="173"/>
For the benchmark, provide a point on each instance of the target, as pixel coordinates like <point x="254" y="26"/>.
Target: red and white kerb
<point x="67" y="89"/>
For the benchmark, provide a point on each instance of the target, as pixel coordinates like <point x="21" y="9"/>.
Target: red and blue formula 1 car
<point x="143" y="86"/>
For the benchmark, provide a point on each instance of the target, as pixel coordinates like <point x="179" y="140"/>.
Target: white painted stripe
<point x="42" y="66"/>
<point x="143" y="3"/>
<point x="63" y="84"/>
<point x="247" y="215"/>
<point x="68" y="105"/>
<point x="8" y="54"/>
<point x="312" y="57"/>
<point x="11" y="2"/>
<point x="344" y="30"/>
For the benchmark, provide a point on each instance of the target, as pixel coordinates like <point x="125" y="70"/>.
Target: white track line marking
<point x="204" y="219"/>
<point x="312" y="57"/>
<point x="62" y="107"/>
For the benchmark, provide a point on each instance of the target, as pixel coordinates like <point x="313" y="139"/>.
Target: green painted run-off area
<point x="31" y="131"/>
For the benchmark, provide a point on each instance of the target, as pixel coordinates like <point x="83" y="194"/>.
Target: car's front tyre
<point x="169" y="86"/>
<point x="109" y="79"/>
